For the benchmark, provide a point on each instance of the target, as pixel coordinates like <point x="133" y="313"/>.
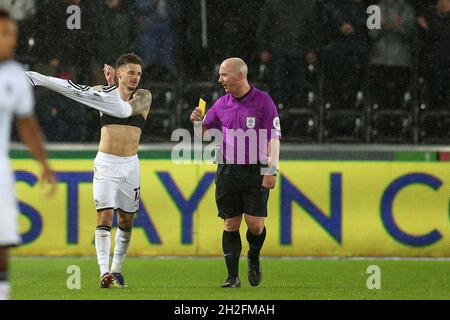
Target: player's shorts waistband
<point x="115" y="159"/>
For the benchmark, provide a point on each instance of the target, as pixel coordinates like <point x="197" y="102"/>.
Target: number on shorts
<point x="137" y="194"/>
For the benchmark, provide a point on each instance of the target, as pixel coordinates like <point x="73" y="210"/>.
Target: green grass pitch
<point x="199" y="278"/>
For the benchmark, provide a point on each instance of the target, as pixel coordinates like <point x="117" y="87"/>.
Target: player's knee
<point x="125" y="225"/>
<point x="106" y="217"/>
<point x="125" y="220"/>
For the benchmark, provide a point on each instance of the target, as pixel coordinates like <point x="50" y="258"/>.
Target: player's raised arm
<point x="106" y="100"/>
<point x="110" y="75"/>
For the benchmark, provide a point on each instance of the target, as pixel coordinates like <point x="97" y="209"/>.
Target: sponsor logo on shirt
<point x="251" y="121"/>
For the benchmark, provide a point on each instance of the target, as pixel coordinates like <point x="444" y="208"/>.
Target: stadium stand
<point x="350" y="90"/>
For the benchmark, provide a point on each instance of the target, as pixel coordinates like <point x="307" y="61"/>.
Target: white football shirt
<point x="106" y="99"/>
<point x="16" y="99"/>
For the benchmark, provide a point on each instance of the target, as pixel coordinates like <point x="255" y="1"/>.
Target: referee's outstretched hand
<point x="196" y="115"/>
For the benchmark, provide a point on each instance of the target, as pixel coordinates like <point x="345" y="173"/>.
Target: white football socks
<point x="4" y="290"/>
<point x="120" y="251"/>
<point x="103" y="247"/>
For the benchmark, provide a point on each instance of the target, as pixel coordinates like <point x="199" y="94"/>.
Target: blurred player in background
<point x="124" y="110"/>
<point x="16" y="100"/>
<point x="242" y="185"/>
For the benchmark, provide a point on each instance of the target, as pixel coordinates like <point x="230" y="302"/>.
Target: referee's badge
<point x="251" y="122"/>
<point x="276" y="123"/>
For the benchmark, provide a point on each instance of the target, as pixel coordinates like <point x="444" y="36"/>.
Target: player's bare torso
<point x="120" y="140"/>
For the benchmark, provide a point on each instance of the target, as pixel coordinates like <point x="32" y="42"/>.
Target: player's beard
<point x="132" y="87"/>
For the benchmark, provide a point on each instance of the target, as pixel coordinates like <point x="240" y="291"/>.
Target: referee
<point x="243" y="182"/>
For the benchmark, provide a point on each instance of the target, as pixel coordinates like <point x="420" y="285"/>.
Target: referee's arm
<point x="196" y="119"/>
<point x="274" y="153"/>
<point x="270" y="179"/>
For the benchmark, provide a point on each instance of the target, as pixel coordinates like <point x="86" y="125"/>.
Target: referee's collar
<point x="245" y="96"/>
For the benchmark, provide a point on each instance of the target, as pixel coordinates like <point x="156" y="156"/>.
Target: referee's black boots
<point x="232" y="282"/>
<point x="254" y="270"/>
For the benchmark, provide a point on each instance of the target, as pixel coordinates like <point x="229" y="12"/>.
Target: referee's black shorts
<point x="239" y="190"/>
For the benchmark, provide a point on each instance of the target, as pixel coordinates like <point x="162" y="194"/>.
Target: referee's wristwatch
<point x="274" y="171"/>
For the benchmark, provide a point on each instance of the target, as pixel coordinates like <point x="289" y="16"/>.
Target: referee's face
<point x="8" y="39"/>
<point x="228" y="78"/>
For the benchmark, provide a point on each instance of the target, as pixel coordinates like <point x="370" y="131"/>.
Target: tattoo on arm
<point x="141" y="102"/>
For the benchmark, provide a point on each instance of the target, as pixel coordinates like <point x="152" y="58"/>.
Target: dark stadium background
<point x="391" y="86"/>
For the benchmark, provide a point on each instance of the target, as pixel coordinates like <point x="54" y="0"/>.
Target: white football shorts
<point x="117" y="182"/>
<point x="9" y="214"/>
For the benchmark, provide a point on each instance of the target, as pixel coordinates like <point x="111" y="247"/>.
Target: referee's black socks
<point x="255" y="242"/>
<point x="232" y="247"/>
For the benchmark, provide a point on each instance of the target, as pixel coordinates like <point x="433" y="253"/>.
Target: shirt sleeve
<point x="211" y="120"/>
<point x="107" y="101"/>
<point x="271" y="120"/>
<point x="24" y="106"/>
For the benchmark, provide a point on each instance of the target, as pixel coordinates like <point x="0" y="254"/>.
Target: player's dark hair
<point x="5" y="15"/>
<point x="129" y="58"/>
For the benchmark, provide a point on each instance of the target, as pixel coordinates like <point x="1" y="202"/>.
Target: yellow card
<point x="202" y="106"/>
